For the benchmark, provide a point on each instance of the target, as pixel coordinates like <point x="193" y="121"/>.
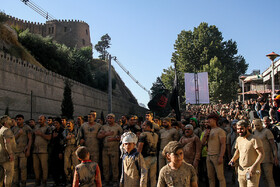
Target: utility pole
<point x="109" y="85"/>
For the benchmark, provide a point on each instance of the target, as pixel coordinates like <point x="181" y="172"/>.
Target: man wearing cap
<point x="7" y="149"/>
<point x="215" y="138"/>
<point x="134" y="171"/>
<point x="196" y="129"/>
<point x="166" y="135"/>
<point x="87" y="136"/>
<point x="192" y="146"/>
<point x="110" y="134"/>
<point x="23" y="136"/>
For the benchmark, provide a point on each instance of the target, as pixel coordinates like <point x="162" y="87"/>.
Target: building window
<point x="49" y="30"/>
<point x="86" y="32"/>
<point x="65" y="29"/>
<point x="52" y="30"/>
<point x="84" y="42"/>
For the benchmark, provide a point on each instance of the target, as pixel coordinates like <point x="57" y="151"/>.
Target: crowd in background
<point x="46" y="148"/>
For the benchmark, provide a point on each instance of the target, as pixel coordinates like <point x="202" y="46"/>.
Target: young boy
<point x="134" y="172"/>
<point x="176" y="173"/>
<point x="87" y="173"/>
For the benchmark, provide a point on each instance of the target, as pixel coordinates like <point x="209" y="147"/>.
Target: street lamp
<point x="272" y="56"/>
<point x="242" y="78"/>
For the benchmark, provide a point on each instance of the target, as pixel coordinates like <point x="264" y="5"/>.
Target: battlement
<point x="72" y="33"/>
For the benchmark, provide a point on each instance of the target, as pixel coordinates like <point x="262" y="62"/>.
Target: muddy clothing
<point x="213" y="152"/>
<point x="192" y="149"/>
<point x="214" y="145"/>
<point x="183" y="177"/>
<point x="89" y="134"/>
<point x="267" y="164"/>
<point x="20" y="158"/>
<point x="149" y="151"/>
<point x="133" y="128"/>
<point x="197" y="131"/>
<point x="87" y="174"/>
<point x="40" y="154"/>
<point x="134" y="171"/>
<point x="231" y="139"/>
<point x="7" y="147"/>
<point x="70" y="157"/>
<point x="150" y="140"/>
<point x="41" y="144"/>
<point x="165" y="136"/>
<point x="110" y="152"/>
<point x="247" y="157"/>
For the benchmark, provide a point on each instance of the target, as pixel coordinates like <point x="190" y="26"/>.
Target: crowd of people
<point x="145" y="151"/>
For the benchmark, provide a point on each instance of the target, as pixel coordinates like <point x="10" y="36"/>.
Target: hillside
<point x="68" y="62"/>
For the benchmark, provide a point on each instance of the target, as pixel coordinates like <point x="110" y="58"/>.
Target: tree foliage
<point x="102" y="46"/>
<point x="203" y="49"/>
<point x="76" y="64"/>
<point x="67" y="107"/>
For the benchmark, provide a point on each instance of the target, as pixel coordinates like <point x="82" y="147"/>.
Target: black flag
<point x="159" y="101"/>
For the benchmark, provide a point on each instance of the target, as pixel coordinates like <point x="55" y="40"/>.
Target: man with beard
<point x="88" y="137"/>
<point x="216" y="141"/>
<point x="192" y="146"/>
<point x="249" y="150"/>
<point x="166" y="135"/>
<point x="270" y="150"/>
<point x="132" y="126"/>
<point x="23" y="136"/>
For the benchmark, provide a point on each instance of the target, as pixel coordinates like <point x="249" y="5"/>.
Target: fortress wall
<point x="19" y="79"/>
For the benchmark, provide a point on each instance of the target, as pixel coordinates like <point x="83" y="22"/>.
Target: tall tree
<point x="67" y="108"/>
<point x="203" y="49"/>
<point x="102" y="46"/>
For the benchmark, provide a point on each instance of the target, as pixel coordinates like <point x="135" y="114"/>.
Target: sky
<point x="143" y="32"/>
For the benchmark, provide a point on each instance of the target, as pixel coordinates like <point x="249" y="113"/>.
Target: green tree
<point x="102" y="46"/>
<point x="203" y="49"/>
<point x="67" y="107"/>
<point x="158" y="87"/>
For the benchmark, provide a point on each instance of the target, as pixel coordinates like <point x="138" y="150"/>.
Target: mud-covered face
<point x="241" y="130"/>
<point x="177" y="158"/>
<point x="128" y="146"/>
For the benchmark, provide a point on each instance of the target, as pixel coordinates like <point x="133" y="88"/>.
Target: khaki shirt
<point x="167" y="135"/>
<point x="134" y="171"/>
<point x="22" y="140"/>
<point x="117" y="131"/>
<point x="40" y="143"/>
<point x="247" y="152"/>
<point x="182" y="177"/>
<point x="265" y="135"/>
<point x="7" y="144"/>
<point x="214" y="145"/>
<point x="89" y="134"/>
<point x="150" y="140"/>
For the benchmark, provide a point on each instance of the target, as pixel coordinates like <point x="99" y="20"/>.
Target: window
<point x="52" y="30"/>
<point x="49" y="30"/>
<point x="86" y="32"/>
<point x="65" y="29"/>
<point x="84" y="42"/>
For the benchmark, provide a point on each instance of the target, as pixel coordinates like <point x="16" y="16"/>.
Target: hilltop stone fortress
<point x="69" y="32"/>
<point x="32" y="91"/>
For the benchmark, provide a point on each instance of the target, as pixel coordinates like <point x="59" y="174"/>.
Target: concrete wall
<point x="22" y="83"/>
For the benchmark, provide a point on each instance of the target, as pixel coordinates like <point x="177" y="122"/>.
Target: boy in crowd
<point x="87" y="173"/>
<point x="134" y="171"/>
<point x="176" y="173"/>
